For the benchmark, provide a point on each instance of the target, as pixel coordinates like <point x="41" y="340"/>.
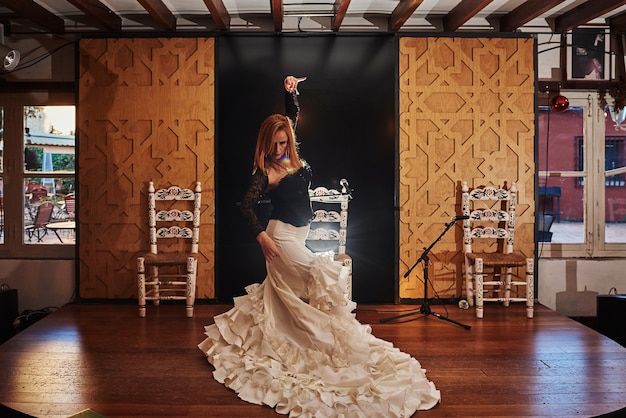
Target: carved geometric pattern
<point x="145" y="112"/>
<point x="466" y="112"/>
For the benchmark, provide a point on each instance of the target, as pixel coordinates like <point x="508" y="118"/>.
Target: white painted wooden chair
<point x="174" y="237"/>
<point x="493" y="271"/>
<point x="329" y="229"/>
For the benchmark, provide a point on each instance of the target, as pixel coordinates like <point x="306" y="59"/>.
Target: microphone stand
<point x="425" y="308"/>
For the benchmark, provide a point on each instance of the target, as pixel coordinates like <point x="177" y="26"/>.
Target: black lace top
<point x="290" y="198"/>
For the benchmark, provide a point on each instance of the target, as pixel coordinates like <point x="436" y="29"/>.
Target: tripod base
<point x="426" y="311"/>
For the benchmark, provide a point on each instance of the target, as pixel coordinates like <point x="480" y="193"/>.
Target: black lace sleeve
<point x="258" y="184"/>
<point x="292" y="107"/>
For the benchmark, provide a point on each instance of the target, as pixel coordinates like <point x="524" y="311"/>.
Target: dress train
<point x="293" y="343"/>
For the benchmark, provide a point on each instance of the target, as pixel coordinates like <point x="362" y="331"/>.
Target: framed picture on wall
<point x="588" y="54"/>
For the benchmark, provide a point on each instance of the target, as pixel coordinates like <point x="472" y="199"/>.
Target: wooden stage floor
<point x="105" y="358"/>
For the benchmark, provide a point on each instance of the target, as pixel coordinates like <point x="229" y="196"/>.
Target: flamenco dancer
<point x="293" y="342"/>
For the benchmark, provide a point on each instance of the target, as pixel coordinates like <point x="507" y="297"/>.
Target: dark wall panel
<point x="347" y="129"/>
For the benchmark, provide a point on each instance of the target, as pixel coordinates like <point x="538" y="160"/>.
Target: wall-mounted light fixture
<point x="10" y="57"/>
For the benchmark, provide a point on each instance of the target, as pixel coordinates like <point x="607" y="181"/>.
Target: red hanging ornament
<point x="559" y="103"/>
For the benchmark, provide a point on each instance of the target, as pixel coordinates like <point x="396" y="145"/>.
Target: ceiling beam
<point x="618" y="46"/>
<point x="101" y="14"/>
<point x="463" y="12"/>
<point x="277" y="14"/>
<point x="219" y="14"/>
<point x="35" y="13"/>
<point x="403" y="11"/>
<point x="617" y="30"/>
<point x="618" y="23"/>
<point x="526" y="12"/>
<point x="164" y="18"/>
<point x="340" y="8"/>
<point x="582" y="14"/>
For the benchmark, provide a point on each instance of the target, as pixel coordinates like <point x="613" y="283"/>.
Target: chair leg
<point x="507" y="287"/>
<point x="141" y="284"/>
<point x="156" y="287"/>
<point x="478" y="266"/>
<point x="39" y="233"/>
<point x="469" y="292"/>
<point x="530" y="287"/>
<point x="191" y="284"/>
<point x="348" y="263"/>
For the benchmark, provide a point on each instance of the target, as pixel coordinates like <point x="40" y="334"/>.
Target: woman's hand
<point x="268" y="246"/>
<point x="291" y="83"/>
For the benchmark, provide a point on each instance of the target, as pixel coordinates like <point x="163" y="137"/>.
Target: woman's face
<point x="279" y="145"/>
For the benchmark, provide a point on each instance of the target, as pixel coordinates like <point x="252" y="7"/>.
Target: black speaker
<point x="611" y="314"/>
<point x="8" y="312"/>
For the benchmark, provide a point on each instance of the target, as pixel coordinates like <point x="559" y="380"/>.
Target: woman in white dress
<point x="293" y="342"/>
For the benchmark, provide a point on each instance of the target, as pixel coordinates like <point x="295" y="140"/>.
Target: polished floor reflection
<point x="104" y="357"/>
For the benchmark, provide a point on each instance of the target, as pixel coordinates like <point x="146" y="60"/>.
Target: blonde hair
<point x="265" y="142"/>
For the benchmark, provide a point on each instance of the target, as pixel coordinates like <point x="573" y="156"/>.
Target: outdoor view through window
<point x="582" y="178"/>
<point x="49" y="176"/>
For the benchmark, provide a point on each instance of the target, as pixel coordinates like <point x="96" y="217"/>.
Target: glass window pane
<point x="49" y="183"/>
<point x="49" y="139"/>
<point x="49" y="216"/>
<point x="561" y="208"/>
<point x="559" y="138"/>
<point x="615" y="179"/>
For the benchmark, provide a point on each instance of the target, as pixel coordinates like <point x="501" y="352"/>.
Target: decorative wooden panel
<point x="466" y="113"/>
<point x="145" y="112"/>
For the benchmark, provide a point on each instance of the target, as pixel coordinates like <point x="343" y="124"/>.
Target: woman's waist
<point x="286" y="230"/>
<point x="298" y="218"/>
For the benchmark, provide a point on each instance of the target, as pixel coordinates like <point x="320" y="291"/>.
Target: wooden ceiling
<point x="119" y="16"/>
<point x="555" y="18"/>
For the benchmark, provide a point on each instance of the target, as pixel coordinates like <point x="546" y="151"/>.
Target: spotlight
<point x="10" y="57"/>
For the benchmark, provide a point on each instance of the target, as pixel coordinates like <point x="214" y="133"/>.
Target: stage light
<point x="10" y="57"/>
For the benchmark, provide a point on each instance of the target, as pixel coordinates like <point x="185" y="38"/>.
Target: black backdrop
<point x="347" y="129"/>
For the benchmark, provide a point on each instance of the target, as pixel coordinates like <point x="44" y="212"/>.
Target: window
<point x="37" y="169"/>
<point x="615" y="158"/>
<point x="49" y="174"/>
<point x="581" y="199"/>
<point x="614" y="151"/>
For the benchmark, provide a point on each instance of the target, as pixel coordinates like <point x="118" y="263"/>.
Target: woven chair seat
<point x="499" y="259"/>
<point x="342" y="257"/>
<point x="167" y="259"/>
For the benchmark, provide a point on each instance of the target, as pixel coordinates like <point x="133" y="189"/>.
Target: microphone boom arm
<point x="424" y="256"/>
<point x="425" y="308"/>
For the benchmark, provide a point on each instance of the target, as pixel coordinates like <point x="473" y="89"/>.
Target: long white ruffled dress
<point x="293" y="343"/>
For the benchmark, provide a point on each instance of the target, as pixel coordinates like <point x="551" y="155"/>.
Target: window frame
<point x="593" y="179"/>
<point x="614" y="140"/>
<point x="14" y="247"/>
